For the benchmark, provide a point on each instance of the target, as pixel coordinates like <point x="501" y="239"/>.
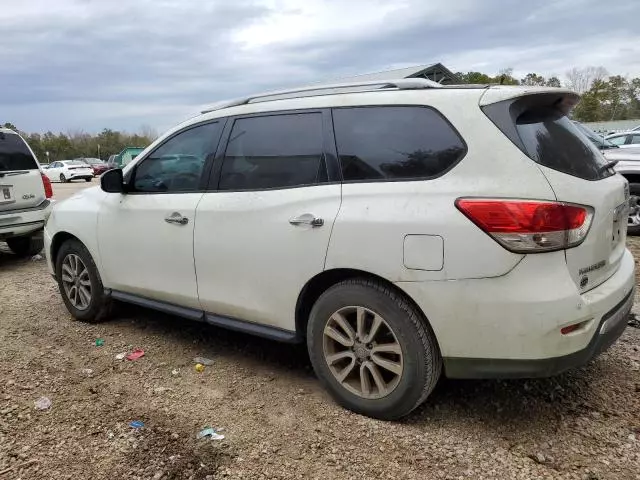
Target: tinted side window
<point x="380" y="143"/>
<point x="635" y="139"/>
<point x="176" y="165"/>
<point x="14" y="154"/>
<point x="275" y="151"/>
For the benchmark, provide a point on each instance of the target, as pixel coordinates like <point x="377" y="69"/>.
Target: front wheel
<point x="26" y="246"/>
<point x="372" y="350"/>
<point x="63" y="179"/>
<point x="80" y="284"/>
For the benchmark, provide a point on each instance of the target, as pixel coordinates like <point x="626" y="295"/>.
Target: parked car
<point x="25" y="196"/>
<point x="627" y="164"/>
<point x="97" y="165"/>
<point x="625" y="139"/>
<point x="67" y="170"/>
<point x="402" y="229"/>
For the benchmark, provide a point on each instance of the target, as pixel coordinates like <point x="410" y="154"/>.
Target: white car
<point x="25" y="196"/>
<point x="402" y="229"/>
<point x="66" y="170"/>
<point x="625" y="139"/>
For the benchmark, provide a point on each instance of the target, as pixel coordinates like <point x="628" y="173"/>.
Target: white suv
<point x="25" y="195"/>
<point x="403" y="229"/>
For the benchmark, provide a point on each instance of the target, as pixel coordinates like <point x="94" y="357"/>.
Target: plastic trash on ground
<point x="43" y="403"/>
<point x="199" y="367"/>
<point x="210" y="433"/>
<point x="99" y="342"/>
<point x="136" y="354"/>
<point x="136" y="424"/>
<point x="120" y="356"/>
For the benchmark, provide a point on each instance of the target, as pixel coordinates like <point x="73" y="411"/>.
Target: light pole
<point x="47" y="154"/>
<point x="98" y="150"/>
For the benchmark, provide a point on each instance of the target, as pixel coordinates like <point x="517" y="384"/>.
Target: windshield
<point x="14" y="154"/>
<point x="596" y="139"/>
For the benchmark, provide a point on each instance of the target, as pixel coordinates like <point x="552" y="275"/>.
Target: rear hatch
<point x="20" y="178"/>
<point x="537" y="123"/>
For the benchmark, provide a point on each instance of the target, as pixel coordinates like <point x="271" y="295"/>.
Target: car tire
<point x="633" y="227"/>
<point x="403" y="342"/>
<point x="87" y="179"/>
<point x="26" y="246"/>
<point x="94" y="307"/>
<point x="63" y="179"/>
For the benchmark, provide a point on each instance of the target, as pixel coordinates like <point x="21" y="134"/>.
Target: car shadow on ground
<point x="506" y="407"/>
<point x="8" y="259"/>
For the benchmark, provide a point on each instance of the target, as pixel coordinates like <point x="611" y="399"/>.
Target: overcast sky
<point x="89" y="64"/>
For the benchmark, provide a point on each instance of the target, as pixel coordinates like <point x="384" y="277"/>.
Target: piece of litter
<point x="136" y="354"/>
<point x="99" y="342"/>
<point x="209" y="432"/>
<point x="199" y="367"/>
<point x="175" y="371"/>
<point x="43" y="403"/>
<point x="36" y="258"/>
<point x="136" y="424"/>
<point x="120" y="356"/>
<point x="203" y="361"/>
<point x="87" y="371"/>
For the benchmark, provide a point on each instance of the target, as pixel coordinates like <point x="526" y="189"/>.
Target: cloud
<point x="89" y="64"/>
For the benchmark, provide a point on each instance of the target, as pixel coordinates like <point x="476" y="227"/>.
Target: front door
<point x="264" y="233"/>
<point x="146" y="235"/>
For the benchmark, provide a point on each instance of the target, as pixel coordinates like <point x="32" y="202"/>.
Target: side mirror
<point x="112" y="181"/>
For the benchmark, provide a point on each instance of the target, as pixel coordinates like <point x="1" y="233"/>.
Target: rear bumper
<point x="510" y="326"/>
<point x="26" y="221"/>
<point x="609" y="330"/>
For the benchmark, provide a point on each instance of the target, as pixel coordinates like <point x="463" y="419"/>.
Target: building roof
<point x="434" y="71"/>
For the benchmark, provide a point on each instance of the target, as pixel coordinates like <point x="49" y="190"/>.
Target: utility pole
<point x="99" y="151"/>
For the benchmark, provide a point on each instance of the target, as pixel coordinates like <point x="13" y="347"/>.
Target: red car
<point x="98" y="166"/>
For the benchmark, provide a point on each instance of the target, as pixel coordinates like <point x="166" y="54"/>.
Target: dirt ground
<point x="278" y="422"/>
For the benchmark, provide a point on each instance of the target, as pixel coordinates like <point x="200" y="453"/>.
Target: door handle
<point x="307" y="219"/>
<point x="176" y="219"/>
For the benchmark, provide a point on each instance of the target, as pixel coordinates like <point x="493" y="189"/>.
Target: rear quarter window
<point x="395" y="143"/>
<point x="14" y="154"/>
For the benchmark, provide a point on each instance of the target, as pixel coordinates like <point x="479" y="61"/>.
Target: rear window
<point x="14" y="154"/>
<point x="538" y="125"/>
<point x="78" y="163"/>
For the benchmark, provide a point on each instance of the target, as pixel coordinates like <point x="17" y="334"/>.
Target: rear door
<point x="577" y="173"/>
<point x="20" y="179"/>
<point x="264" y="233"/>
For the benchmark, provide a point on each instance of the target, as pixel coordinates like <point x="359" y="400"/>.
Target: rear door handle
<point x="176" y="219"/>
<point x="307" y="219"/>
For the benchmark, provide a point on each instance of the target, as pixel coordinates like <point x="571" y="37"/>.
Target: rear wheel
<point x="26" y="246"/>
<point x="63" y="179"/>
<point x="80" y="284"/>
<point x="633" y="225"/>
<point x="87" y="179"/>
<point x="372" y="350"/>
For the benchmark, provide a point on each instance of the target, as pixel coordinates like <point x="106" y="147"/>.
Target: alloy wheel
<point x="76" y="281"/>
<point x="634" y="213"/>
<point x="363" y="352"/>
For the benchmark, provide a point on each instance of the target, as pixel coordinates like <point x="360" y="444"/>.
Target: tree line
<point x="604" y="97"/>
<point x="70" y="145"/>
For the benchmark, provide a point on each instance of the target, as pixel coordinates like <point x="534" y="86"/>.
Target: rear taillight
<point x="529" y="226"/>
<point x="46" y="183"/>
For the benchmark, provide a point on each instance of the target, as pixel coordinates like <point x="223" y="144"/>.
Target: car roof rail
<point x="328" y="89"/>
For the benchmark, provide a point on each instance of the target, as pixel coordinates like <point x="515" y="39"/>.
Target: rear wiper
<point x="14" y="172"/>
<point x="608" y="165"/>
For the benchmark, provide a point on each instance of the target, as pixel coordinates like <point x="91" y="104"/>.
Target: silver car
<point x="625" y="139"/>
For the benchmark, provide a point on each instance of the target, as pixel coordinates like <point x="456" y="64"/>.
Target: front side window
<point x="394" y="143"/>
<point x="618" y="140"/>
<point x="275" y="151"/>
<point x="635" y="139"/>
<point x="177" y="165"/>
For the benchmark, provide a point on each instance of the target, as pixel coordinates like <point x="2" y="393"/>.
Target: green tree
<point x="533" y="79"/>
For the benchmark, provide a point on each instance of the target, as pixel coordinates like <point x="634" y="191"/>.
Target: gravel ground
<point x="277" y="421"/>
